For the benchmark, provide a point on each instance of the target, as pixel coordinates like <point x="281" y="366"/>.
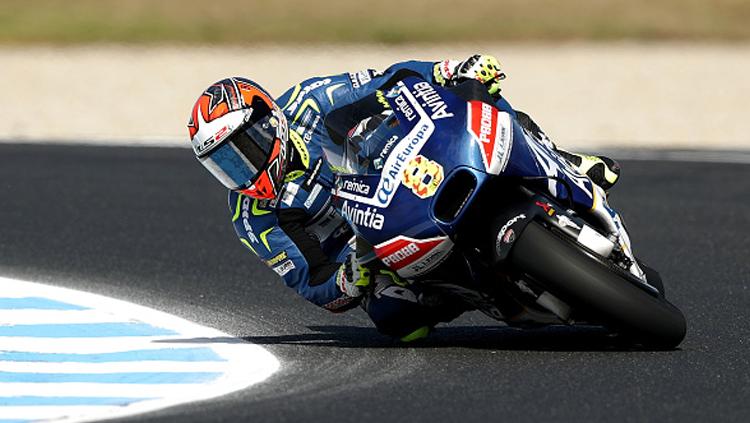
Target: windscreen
<point x="365" y="146"/>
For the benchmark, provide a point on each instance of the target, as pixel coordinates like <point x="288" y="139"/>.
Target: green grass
<point x="384" y="21"/>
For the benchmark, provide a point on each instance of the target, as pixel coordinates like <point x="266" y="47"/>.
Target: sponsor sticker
<point x="547" y="207"/>
<point x="429" y="261"/>
<point x="313" y="196"/>
<point x="410" y="256"/>
<point x="289" y="193"/>
<point x="276" y="259"/>
<point x="202" y="148"/>
<point x="221" y="133"/>
<point x="509" y="236"/>
<point x="423" y="176"/>
<point x="356" y="186"/>
<point x="387" y="147"/>
<point x="362" y="77"/>
<point x="307" y="137"/>
<point x="429" y="98"/>
<point x="401" y="154"/>
<point x="284" y="268"/>
<point x="405" y="108"/>
<point x="506" y="234"/>
<point x="510" y="223"/>
<point x="378" y="162"/>
<point x="396" y="162"/>
<point x="492" y="131"/>
<point x="368" y="217"/>
<point x="404" y="253"/>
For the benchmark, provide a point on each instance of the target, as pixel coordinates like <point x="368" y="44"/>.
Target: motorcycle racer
<point x="271" y="154"/>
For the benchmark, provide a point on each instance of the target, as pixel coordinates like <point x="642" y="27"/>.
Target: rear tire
<point x="588" y="284"/>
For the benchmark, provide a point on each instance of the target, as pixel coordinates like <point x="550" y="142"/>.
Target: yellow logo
<point x="423" y="176"/>
<point x="276" y="259"/>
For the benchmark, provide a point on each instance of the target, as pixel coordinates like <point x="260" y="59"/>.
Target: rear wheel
<point x="588" y="284"/>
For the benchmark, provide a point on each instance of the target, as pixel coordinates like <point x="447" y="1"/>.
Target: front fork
<point x="599" y="229"/>
<point x="617" y="233"/>
<point x="535" y="157"/>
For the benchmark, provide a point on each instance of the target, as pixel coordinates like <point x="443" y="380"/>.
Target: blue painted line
<point x="84" y="330"/>
<point x="130" y="377"/>
<point x="165" y="354"/>
<point x="63" y="401"/>
<point x="14" y="421"/>
<point x="37" y="303"/>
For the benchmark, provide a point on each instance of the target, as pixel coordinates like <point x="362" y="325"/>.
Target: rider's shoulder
<point x="310" y="86"/>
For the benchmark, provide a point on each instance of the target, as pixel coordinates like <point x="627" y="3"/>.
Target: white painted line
<point x="67" y="413"/>
<point x="102" y="345"/>
<point x="137" y="366"/>
<point x="131" y="390"/>
<point x="29" y="317"/>
<point x="45" y="375"/>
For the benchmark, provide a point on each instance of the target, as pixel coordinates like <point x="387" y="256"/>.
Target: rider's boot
<point x="602" y="170"/>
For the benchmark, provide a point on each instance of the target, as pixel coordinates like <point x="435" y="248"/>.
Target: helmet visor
<point x="239" y="158"/>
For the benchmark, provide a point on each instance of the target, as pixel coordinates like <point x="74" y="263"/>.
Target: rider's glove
<point x="353" y="278"/>
<point x="484" y="68"/>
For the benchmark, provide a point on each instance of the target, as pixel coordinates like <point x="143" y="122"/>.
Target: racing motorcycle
<point x="454" y="193"/>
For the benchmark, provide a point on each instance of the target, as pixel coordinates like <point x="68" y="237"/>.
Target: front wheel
<point x="589" y="285"/>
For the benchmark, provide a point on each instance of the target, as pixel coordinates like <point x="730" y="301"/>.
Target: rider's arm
<point x="366" y="82"/>
<point x="280" y="240"/>
<point x="328" y="93"/>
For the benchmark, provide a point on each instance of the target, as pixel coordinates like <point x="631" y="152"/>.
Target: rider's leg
<point x="397" y="308"/>
<point x="602" y="170"/>
<point x="614" y="224"/>
<point x="406" y="311"/>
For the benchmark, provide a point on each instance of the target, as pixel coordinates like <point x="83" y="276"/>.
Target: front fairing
<point x="405" y="161"/>
<point x="410" y="185"/>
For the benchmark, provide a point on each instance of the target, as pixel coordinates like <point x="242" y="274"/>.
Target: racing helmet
<point x="240" y="135"/>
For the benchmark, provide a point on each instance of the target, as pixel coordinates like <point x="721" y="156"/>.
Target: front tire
<point x="588" y="284"/>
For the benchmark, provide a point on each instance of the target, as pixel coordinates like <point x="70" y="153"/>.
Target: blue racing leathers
<point x="299" y="234"/>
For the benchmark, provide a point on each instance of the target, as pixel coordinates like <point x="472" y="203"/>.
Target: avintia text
<point x="369" y="217"/>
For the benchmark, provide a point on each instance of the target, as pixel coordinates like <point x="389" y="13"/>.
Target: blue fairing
<point x="437" y="134"/>
<point x="530" y="157"/>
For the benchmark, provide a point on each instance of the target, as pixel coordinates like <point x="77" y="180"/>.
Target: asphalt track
<point x="149" y="225"/>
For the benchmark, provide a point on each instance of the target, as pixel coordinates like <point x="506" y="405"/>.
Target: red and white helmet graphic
<point x="240" y="135"/>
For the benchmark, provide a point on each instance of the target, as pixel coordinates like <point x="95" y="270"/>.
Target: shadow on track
<point x="553" y="338"/>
